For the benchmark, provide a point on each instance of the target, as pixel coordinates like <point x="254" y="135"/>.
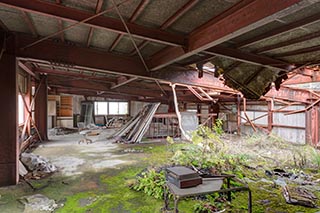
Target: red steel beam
<point x="299" y="51"/>
<point x="3" y="26"/>
<point x="290" y="95"/>
<point x="9" y="152"/>
<point x="101" y="61"/>
<point x="84" y="84"/>
<point x="80" y="56"/>
<point x="132" y="19"/>
<point x="72" y="74"/>
<point x="288" y="42"/>
<point x="97" y="10"/>
<point x="41" y="110"/>
<point x="244" y="19"/>
<point x="90" y="93"/>
<point x="303" y="76"/>
<point x="60" y="24"/>
<point x="103" y="22"/>
<point x="26" y="69"/>
<point x="280" y="30"/>
<point x="185" y="8"/>
<point x="29" y="23"/>
<point x="250" y="58"/>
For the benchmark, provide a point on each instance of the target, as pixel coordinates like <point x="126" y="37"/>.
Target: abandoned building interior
<point x="129" y="105"/>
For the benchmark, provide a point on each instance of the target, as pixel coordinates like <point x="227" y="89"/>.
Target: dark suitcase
<point x="183" y="177"/>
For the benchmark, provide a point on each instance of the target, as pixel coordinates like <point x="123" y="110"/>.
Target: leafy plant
<point x="316" y="158"/>
<point x="217" y="127"/>
<point x="151" y="183"/>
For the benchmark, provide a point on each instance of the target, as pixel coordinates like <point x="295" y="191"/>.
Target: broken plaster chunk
<point x="38" y="203"/>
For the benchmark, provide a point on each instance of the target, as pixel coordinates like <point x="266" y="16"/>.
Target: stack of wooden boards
<point x="135" y="129"/>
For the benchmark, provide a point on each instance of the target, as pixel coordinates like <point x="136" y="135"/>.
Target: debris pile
<point x="39" y="166"/>
<point x="134" y="130"/>
<point x="62" y="131"/>
<point x="299" y="196"/>
<point x="38" y="203"/>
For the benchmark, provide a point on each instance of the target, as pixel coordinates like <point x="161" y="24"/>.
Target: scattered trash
<point x="38" y="165"/>
<point x="299" y="196"/>
<point x="62" y="131"/>
<point x="87" y="201"/>
<point x="132" y="150"/>
<point x="38" y="203"/>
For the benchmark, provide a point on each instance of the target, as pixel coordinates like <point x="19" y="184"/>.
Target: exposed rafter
<point x="132" y="19"/>
<point x="102" y="22"/>
<point x="3" y="26"/>
<point x="288" y="42"/>
<point x="110" y="63"/>
<point x="27" y="69"/>
<point x="84" y="84"/>
<point x="299" y="51"/>
<point x="185" y="8"/>
<point x="250" y="58"/>
<point x="283" y="29"/>
<point x="29" y="23"/>
<point x="123" y="82"/>
<point x="246" y="18"/>
<point x="97" y="10"/>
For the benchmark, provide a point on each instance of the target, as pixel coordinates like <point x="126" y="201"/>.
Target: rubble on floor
<point x="38" y="203"/>
<point x="38" y="165"/>
<point x="135" y="129"/>
<point x="62" y="131"/>
<point x="299" y="196"/>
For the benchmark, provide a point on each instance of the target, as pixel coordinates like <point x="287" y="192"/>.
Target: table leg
<point x="229" y="192"/>
<point x="176" y="200"/>
<point x="249" y="201"/>
<point x="166" y="198"/>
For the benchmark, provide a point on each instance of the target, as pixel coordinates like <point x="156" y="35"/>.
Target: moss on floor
<point x="108" y="191"/>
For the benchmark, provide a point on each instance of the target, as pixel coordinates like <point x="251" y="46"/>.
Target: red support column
<point x="199" y="112"/>
<point x="41" y="108"/>
<point x="9" y="174"/>
<point x="270" y="115"/>
<point x="312" y="126"/>
<point x="239" y="115"/>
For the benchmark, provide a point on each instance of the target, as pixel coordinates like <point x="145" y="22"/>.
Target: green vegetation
<point x="138" y="187"/>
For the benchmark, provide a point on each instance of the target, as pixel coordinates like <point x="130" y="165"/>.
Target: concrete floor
<point x="73" y="158"/>
<point x="80" y="168"/>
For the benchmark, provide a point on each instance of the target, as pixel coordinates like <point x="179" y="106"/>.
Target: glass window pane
<point x="123" y="108"/>
<point x="114" y="108"/>
<point x="101" y="108"/>
<point x="21" y="110"/>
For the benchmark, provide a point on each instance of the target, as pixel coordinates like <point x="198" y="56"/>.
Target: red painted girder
<point x="103" y="22"/>
<point x="185" y="8"/>
<point x="29" y="23"/>
<point x="132" y="19"/>
<point x="280" y="30"/>
<point x="289" y="42"/>
<point x="60" y="52"/>
<point x="250" y="58"/>
<point x="85" y="84"/>
<point x="303" y="76"/>
<point x="97" y="10"/>
<point x="242" y="19"/>
<point x="299" y="51"/>
<point x="72" y="74"/>
<point x="290" y="95"/>
<point x="102" y="61"/>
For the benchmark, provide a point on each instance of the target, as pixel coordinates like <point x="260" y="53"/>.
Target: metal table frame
<point x="200" y="190"/>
